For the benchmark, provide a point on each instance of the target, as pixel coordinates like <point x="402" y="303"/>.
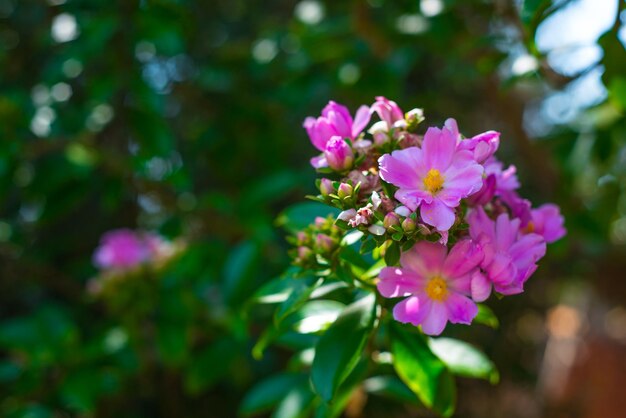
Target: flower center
<point x="433" y="182"/>
<point x="437" y="289"/>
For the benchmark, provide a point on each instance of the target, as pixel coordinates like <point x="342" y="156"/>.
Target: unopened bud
<point x="301" y="238"/>
<point x="324" y="243"/>
<point x="413" y="118"/>
<point x="408" y="225"/>
<point x="391" y="219"/>
<point x="344" y="190"/>
<point x="320" y="222"/>
<point x="338" y="154"/>
<point x="304" y="253"/>
<point x="326" y="187"/>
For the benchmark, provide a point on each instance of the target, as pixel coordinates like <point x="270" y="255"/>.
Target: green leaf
<point x="316" y="316"/>
<point x="269" y="392"/>
<point x="368" y="245"/>
<point x="390" y="387"/>
<point x="210" y="365"/>
<point x="392" y="254"/>
<point x="486" y="317"/>
<point x="339" y="349"/>
<point x="464" y="359"/>
<point x="239" y="271"/>
<point x="344" y="393"/>
<point x="296" y="403"/>
<point x="300" y="293"/>
<point x="423" y="372"/>
<point x="275" y="291"/>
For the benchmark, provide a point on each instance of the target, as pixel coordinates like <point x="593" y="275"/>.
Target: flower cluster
<point x="443" y="202"/>
<point x="316" y="242"/>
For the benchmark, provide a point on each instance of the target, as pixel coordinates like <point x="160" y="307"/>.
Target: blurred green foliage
<point x="185" y="117"/>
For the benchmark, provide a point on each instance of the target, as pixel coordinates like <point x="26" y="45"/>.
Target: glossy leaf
<point x="341" y="346"/>
<point x="463" y="359"/>
<point x="423" y="372"/>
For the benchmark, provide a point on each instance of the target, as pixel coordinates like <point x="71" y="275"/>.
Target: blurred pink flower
<point x="510" y="257"/>
<point x="437" y="284"/>
<point x="124" y="249"/>
<point x="120" y="249"/>
<point x="546" y="221"/>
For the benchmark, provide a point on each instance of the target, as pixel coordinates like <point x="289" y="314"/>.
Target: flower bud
<point x="391" y="219"/>
<point x="301" y="238"/>
<point x="304" y="253"/>
<point x="413" y="118"/>
<point x="344" y="190"/>
<point x="408" y="225"/>
<point x="338" y="154"/>
<point x="326" y="187"/>
<point x="320" y="222"/>
<point x="324" y="243"/>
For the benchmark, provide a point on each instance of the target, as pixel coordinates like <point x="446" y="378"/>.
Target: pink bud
<point x="408" y="225"/>
<point x="391" y="219"/>
<point x="345" y="190"/>
<point x="326" y="187"/>
<point x="324" y="243"/>
<point x="338" y="154"/>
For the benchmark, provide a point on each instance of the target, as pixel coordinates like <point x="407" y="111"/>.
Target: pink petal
<point x="549" y="222"/>
<point x="425" y="258"/>
<point x="463" y="257"/>
<point x="436" y="318"/>
<point x="395" y="282"/>
<point x="438" y="147"/>
<point x="361" y="120"/>
<point x="506" y="232"/>
<point x="319" y="161"/>
<point x="528" y="250"/>
<point x="501" y="271"/>
<point x="463" y="178"/>
<point x="437" y="214"/>
<point x="452" y="126"/>
<point x="341" y="122"/>
<point x="409" y="311"/>
<point x="402" y="168"/>
<point x="480" y="224"/>
<point x="413" y="198"/>
<point x="480" y="287"/>
<point x="461" y="309"/>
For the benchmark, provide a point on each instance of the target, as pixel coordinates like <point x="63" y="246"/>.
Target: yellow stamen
<point x="530" y="227"/>
<point x="437" y="289"/>
<point x="433" y="182"/>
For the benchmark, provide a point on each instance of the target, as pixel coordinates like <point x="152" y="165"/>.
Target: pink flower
<point x="510" y="257"/>
<point x="434" y="178"/>
<point x="338" y="154"/>
<point x="387" y="110"/>
<point x="482" y="145"/>
<point x="121" y="249"/>
<point x="437" y="284"/>
<point x="335" y="121"/>
<point x="546" y="221"/>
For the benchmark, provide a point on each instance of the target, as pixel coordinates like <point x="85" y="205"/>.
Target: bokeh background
<point x="184" y="117"/>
